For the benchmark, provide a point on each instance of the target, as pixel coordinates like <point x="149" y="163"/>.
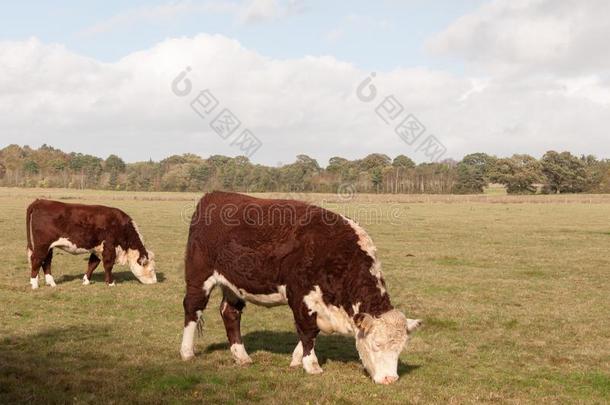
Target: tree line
<point x="555" y="172"/>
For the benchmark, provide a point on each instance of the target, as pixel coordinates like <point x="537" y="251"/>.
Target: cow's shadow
<point x="333" y="347"/>
<point x="98" y="277"/>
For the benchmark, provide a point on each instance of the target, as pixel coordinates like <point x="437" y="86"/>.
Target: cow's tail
<point x="28" y="221"/>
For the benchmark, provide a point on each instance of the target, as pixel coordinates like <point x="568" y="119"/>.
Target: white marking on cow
<point x="31" y="231"/>
<point x="145" y="273"/>
<point x="67" y="246"/>
<point x="310" y="363"/>
<point x="48" y="279"/>
<point x="187" y="350"/>
<point x="380" y="343"/>
<point x="267" y="300"/>
<point x="34" y="283"/>
<point x="30" y="253"/>
<point x="126" y="257"/>
<point x="99" y="250"/>
<point x="239" y="354"/>
<point x="86" y="280"/>
<point x="113" y="284"/>
<point x="297" y="355"/>
<point x="366" y="244"/>
<point x="330" y="319"/>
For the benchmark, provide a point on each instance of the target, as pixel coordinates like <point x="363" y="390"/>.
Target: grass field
<point x="514" y="294"/>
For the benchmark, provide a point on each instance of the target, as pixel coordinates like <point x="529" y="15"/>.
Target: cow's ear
<point x="413" y="325"/>
<point x="364" y="322"/>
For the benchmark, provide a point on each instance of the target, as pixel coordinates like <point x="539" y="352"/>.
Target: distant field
<point x="514" y="294"/>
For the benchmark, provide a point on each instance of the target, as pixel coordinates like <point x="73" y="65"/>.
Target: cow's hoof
<point x="86" y="280"/>
<point x="296" y="363"/>
<point x="244" y="362"/>
<point x="311" y="365"/>
<point x="240" y="355"/>
<point x="187" y="356"/>
<point x="34" y="283"/>
<point x="314" y="369"/>
<point x="48" y="279"/>
<point x="112" y="284"/>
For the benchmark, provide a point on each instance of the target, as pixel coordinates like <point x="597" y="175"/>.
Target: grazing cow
<point x="108" y="234"/>
<point x="274" y="252"/>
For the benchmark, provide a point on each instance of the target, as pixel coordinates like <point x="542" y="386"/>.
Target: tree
<point x="31" y="167"/>
<point x="377" y="178"/>
<point x="114" y="164"/>
<point x="473" y="173"/>
<point x="518" y="174"/>
<point x="563" y="173"/>
<point x="298" y="175"/>
<point x="403" y="162"/>
<point x="87" y="167"/>
<point x="57" y="165"/>
<point x="374" y="160"/>
<point x="336" y="164"/>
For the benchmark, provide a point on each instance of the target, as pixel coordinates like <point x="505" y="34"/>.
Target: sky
<point x="272" y="79"/>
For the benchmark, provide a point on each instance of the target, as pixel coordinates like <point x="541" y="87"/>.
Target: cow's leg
<point x="109" y="258"/>
<point x="94" y="261"/>
<point x="36" y="259"/>
<point x="195" y="301"/>
<point x="230" y="310"/>
<point x="200" y="282"/>
<point x="46" y="266"/>
<point x="307" y="329"/>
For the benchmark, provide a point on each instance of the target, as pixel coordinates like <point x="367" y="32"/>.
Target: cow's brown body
<point x="108" y="234"/>
<point x="273" y="252"/>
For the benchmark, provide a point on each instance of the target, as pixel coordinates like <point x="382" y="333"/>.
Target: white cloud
<point x="305" y="105"/>
<point x="564" y="37"/>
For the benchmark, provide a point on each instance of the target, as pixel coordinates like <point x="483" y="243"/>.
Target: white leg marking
<point x="34" y="283"/>
<point x="187" y="350"/>
<point x="310" y="363"/>
<point x="86" y="280"/>
<point x="240" y="355"/>
<point x="111" y="284"/>
<point x="297" y="355"/>
<point x="48" y="279"/>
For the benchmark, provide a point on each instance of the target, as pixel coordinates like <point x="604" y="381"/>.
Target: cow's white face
<point x="379" y="342"/>
<point x="144" y="269"/>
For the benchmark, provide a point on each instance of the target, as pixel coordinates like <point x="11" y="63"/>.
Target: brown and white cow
<point x="274" y="252"/>
<point x="108" y="234"/>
